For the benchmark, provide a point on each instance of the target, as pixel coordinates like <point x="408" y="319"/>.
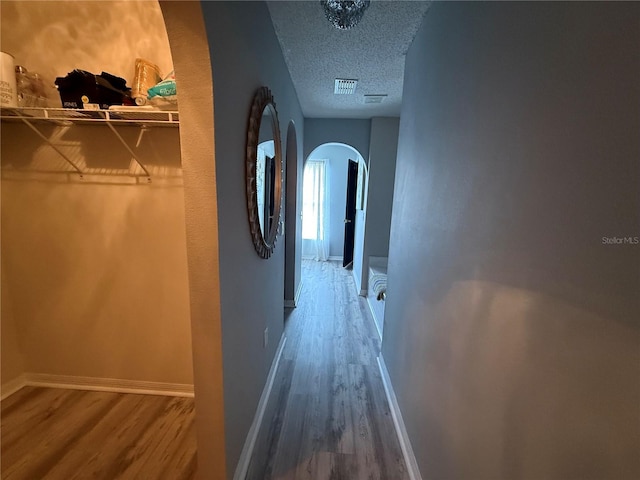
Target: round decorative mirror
<point x="264" y="172"/>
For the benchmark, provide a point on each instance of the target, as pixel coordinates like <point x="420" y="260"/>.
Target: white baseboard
<point x="252" y="435"/>
<point x="294" y="303"/>
<point x="12" y="386"/>
<point x="374" y="317"/>
<point x="296" y="300"/>
<point x="357" y="282"/>
<point x="109" y="385"/>
<point x="403" y="437"/>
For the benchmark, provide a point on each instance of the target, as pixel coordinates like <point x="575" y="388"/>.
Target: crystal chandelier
<point x="344" y="14"/>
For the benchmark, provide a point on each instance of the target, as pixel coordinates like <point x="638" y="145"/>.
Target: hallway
<point x="328" y="417"/>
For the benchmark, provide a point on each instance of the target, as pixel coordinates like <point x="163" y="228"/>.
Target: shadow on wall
<point x="534" y="368"/>
<point x="520" y="270"/>
<point x="94" y="149"/>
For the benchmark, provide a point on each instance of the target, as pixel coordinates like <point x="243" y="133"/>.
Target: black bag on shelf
<point x="80" y="87"/>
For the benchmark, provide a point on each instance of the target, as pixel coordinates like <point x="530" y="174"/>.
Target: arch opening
<point x="334" y="205"/>
<point x="292" y="245"/>
<point x="189" y="45"/>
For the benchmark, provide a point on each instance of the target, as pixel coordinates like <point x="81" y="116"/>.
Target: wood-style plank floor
<point x="327" y="416"/>
<point x="50" y="433"/>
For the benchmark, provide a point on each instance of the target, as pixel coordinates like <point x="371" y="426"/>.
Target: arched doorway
<point x="292" y="238"/>
<point x="333" y="158"/>
<point x="192" y="63"/>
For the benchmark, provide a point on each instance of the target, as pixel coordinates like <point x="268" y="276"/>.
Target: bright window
<point x="313" y="200"/>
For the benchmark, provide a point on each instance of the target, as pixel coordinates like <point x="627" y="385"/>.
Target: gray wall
<point x="382" y="171"/>
<point x="355" y="133"/>
<point x="382" y="168"/>
<point x="245" y="54"/>
<point x="511" y="330"/>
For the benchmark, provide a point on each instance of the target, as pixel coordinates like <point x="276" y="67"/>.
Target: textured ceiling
<point x="372" y="52"/>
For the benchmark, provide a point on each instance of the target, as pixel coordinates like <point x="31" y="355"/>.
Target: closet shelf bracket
<point x="119" y="117"/>
<point x="52" y="145"/>
<point x="128" y="148"/>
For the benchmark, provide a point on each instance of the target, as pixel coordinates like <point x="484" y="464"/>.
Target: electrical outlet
<point x="265" y="341"/>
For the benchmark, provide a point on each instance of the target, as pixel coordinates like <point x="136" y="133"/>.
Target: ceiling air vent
<point x="374" y="98"/>
<point x="345" y="86"/>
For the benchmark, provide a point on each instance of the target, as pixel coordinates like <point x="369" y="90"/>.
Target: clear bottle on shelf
<point x="24" y="88"/>
<point x="31" y="88"/>
<point x="38" y="88"/>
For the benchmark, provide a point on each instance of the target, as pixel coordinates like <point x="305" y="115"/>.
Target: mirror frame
<point x="264" y="244"/>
